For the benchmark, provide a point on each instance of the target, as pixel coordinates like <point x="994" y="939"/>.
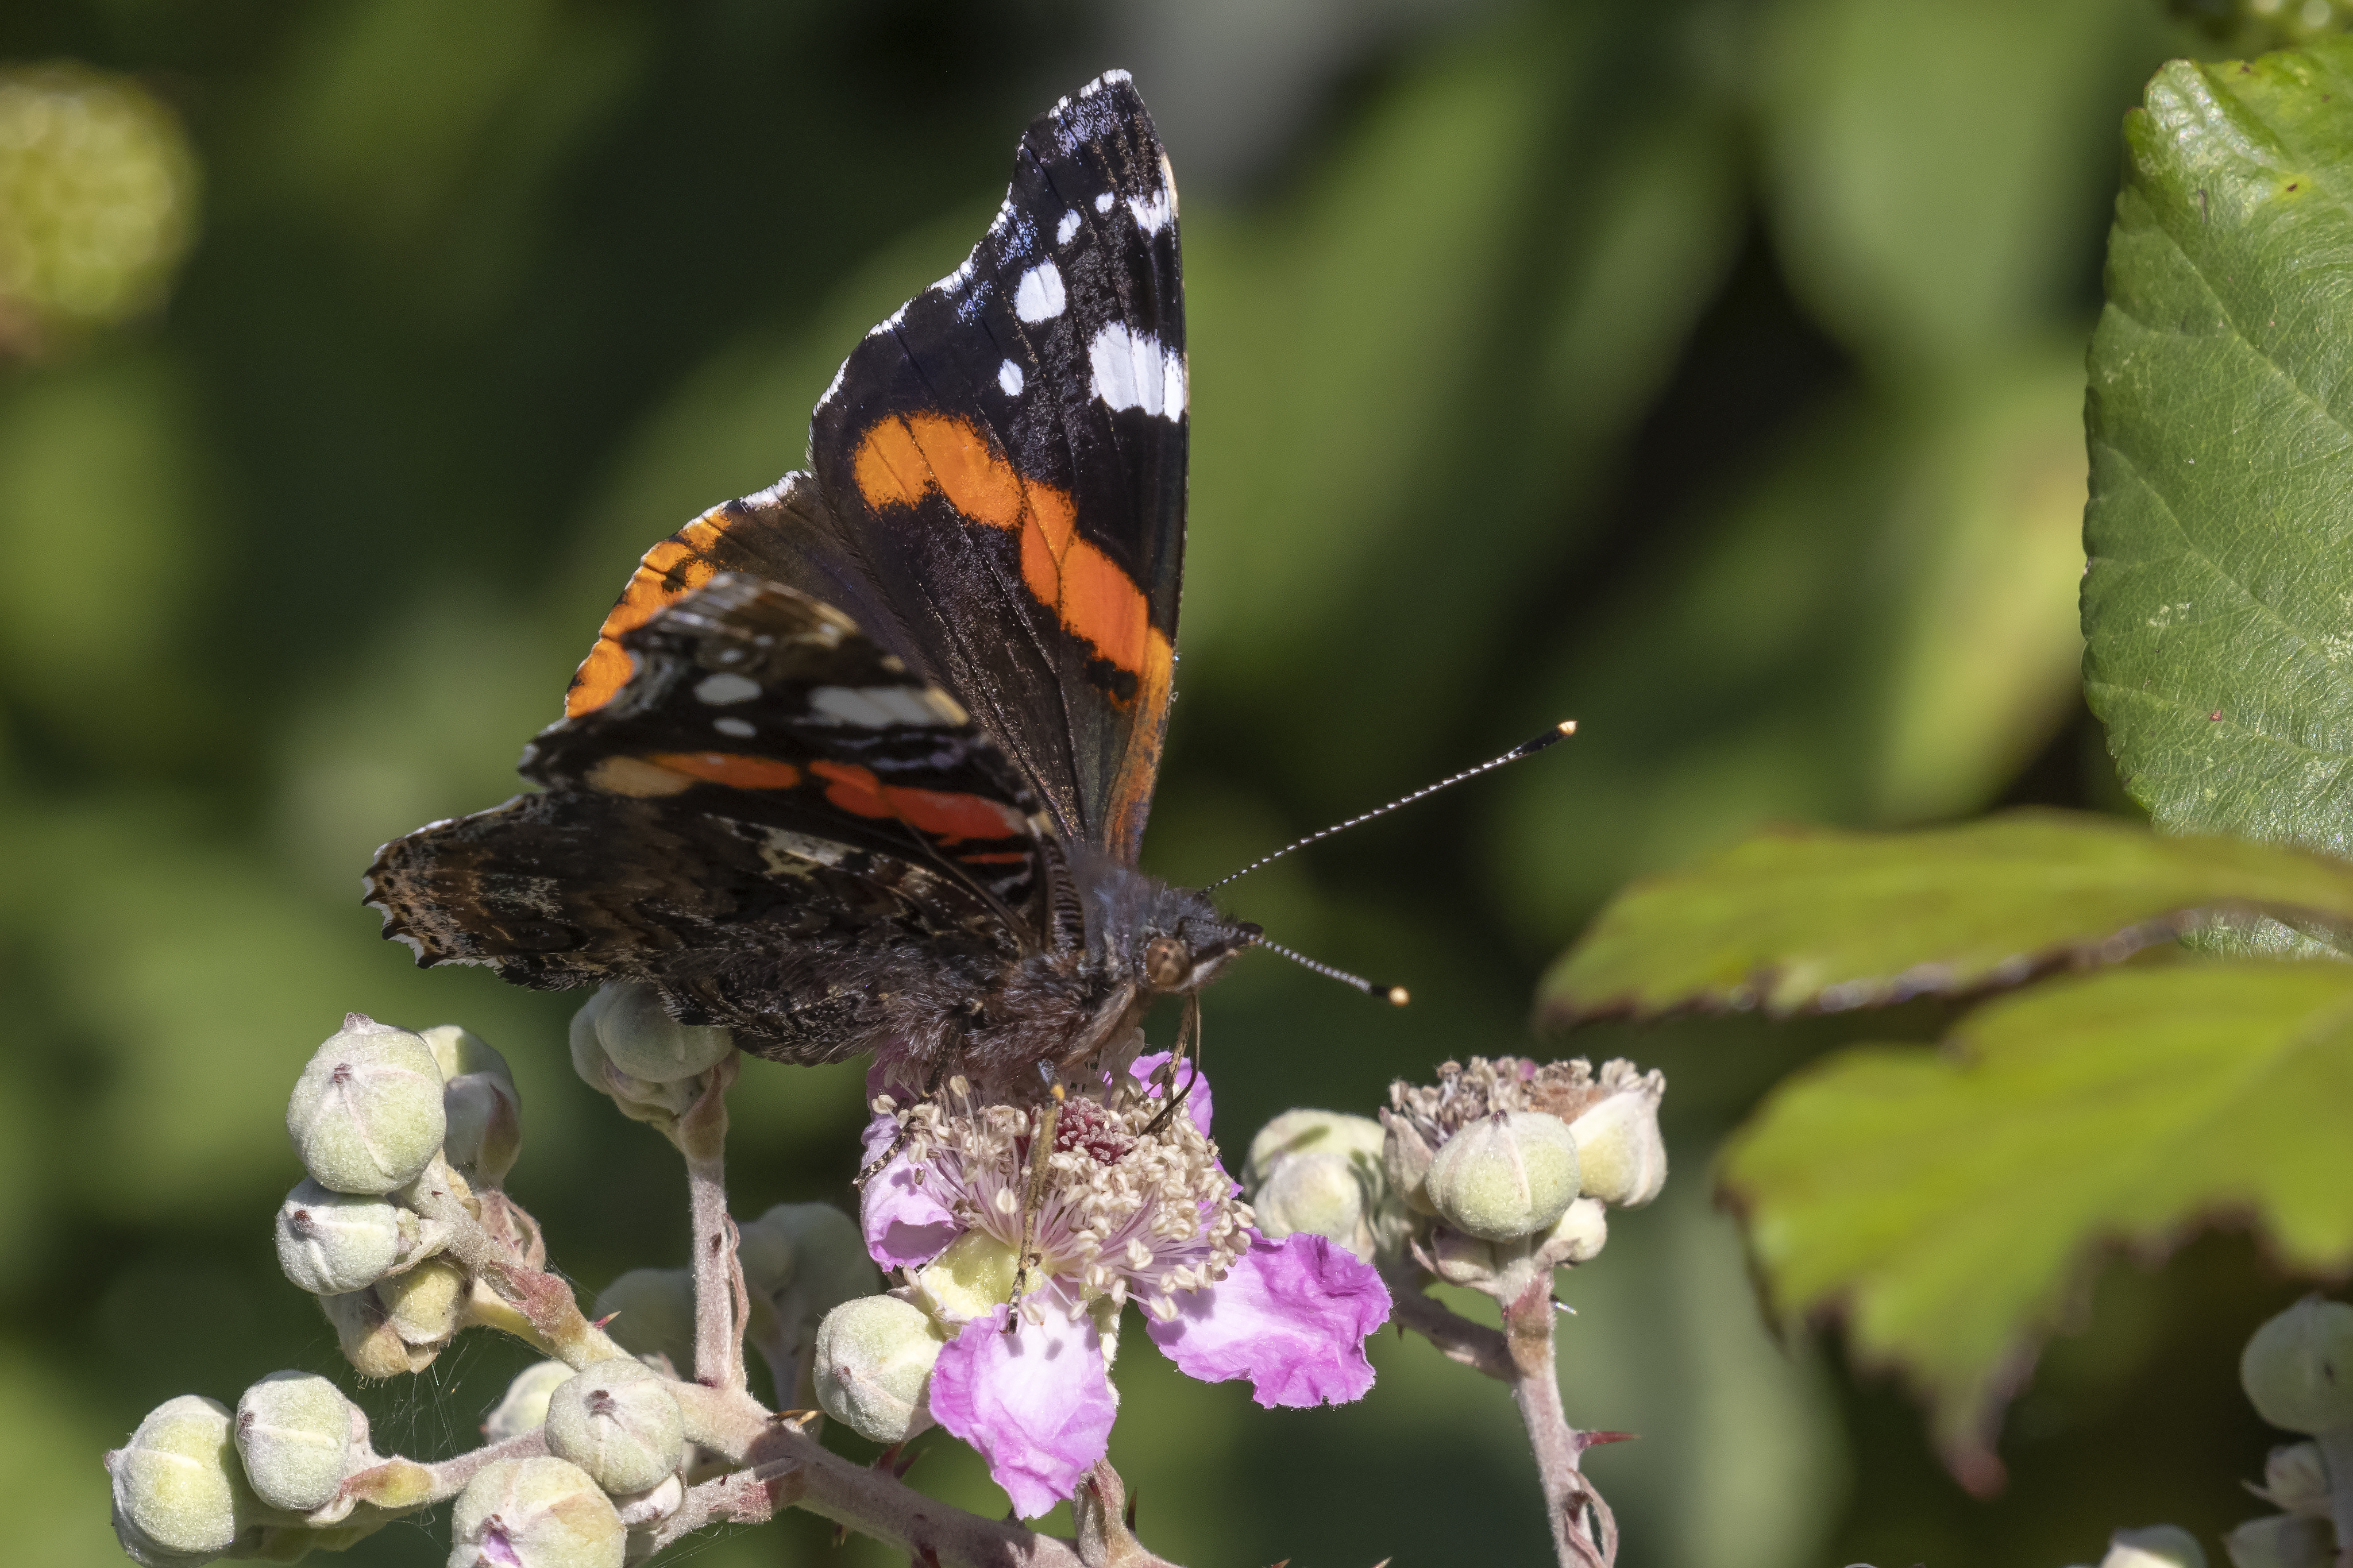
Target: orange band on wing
<point x="947" y="816"/>
<point x="903" y="459"/>
<point x="670" y="571"/>
<point x="730" y="768"/>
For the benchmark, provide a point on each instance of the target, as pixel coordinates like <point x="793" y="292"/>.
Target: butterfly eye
<point x="1166" y="962"/>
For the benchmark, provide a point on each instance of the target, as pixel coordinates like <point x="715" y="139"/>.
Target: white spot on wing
<point x="1038" y="296"/>
<point x="735" y="727"/>
<point x="1132" y="371"/>
<point x="1008" y="376"/>
<point x="1067" y="227"/>
<point x="879" y="707"/>
<point x="723" y="689"/>
<point x="1103" y="202"/>
<point x="1151" y="212"/>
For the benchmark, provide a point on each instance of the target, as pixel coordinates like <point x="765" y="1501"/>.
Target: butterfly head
<point x="1162" y="940"/>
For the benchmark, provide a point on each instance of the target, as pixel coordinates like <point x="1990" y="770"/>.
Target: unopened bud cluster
<point x="1500" y="1172"/>
<point x="377" y="1112"/>
<point x="197" y="1480"/>
<point x="626" y="1046"/>
<point x="395" y="1129"/>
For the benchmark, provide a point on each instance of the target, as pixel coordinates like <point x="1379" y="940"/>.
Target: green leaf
<point x="2218" y="604"/>
<point x="1947" y="1200"/>
<point x="1830" y="920"/>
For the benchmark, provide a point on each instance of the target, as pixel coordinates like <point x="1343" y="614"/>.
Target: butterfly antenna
<point x="1560" y="731"/>
<point x="1395" y="995"/>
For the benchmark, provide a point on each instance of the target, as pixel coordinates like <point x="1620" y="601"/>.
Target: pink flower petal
<point x="1190" y="1082"/>
<point x="1291" y="1316"/>
<point x="905" y="1223"/>
<point x="1036" y="1403"/>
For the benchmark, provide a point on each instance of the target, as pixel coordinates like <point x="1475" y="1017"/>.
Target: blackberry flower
<point x="1127" y="1212"/>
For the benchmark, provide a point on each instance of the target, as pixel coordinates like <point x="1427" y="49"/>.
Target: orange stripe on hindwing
<point x="731" y="768"/>
<point x="670" y="571"/>
<point x="948" y="816"/>
<point x="905" y="459"/>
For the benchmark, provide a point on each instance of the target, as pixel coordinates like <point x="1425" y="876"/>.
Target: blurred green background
<point x="1708" y="371"/>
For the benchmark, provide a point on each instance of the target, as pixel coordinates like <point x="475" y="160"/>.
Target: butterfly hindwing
<point x="767" y="793"/>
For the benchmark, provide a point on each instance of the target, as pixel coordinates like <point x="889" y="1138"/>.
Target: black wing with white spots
<point x="1005" y="456"/>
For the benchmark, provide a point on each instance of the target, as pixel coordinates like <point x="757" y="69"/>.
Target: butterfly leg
<point x="1033" y="1191"/>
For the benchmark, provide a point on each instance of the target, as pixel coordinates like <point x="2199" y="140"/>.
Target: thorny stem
<point x="722" y="1303"/>
<point x="545" y="1301"/>
<point x="1584" y="1534"/>
<point x="1457" y="1337"/>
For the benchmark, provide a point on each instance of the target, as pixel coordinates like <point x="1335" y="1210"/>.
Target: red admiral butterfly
<point x="861" y="761"/>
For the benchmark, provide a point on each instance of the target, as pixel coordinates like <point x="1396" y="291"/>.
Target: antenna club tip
<point x="1396" y="996"/>
<point x="1566" y="726"/>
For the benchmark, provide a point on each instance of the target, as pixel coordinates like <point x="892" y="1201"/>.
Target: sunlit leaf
<point x="1946" y="1201"/>
<point x="2219" y="602"/>
<point x="1830" y="920"/>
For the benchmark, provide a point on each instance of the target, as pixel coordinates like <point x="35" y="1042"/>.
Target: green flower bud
<point x="766" y="1252"/>
<point x="638" y="1509"/>
<point x="365" y="1116"/>
<point x="485" y="1120"/>
<point x="645" y="1042"/>
<point x="823" y="1259"/>
<point x="369" y="1341"/>
<point x="1406" y="1158"/>
<point x="971" y="1278"/>
<point x="479" y="1103"/>
<point x="426" y="1304"/>
<point x="2297" y="1368"/>
<point x="331" y="1243"/>
<point x="2296" y="1480"/>
<point x="653" y="1314"/>
<point x="179" y="1490"/>
<point x="2281" y="1541"/>
<point x="1505" y="1175"/>
<point x="618" y="1422"/>
<point x="1359" y="1139"/>
<point x="1621" y="1158"/>
<point x="459" y="1051"/>
<point x="874" y="1358"/>
<point x="661" y="1104"/>
<point x="524" y="1405"/>
<point x="1324" y="1172"/>
<point x="1464" y="1260"/>
<point x="2157" y="1546"/>
<point x="539" y="1512"/>
<point x="1320" y="1194"/>
<point x="294" y="1433"/>
<point x="1578" y="1236"/>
